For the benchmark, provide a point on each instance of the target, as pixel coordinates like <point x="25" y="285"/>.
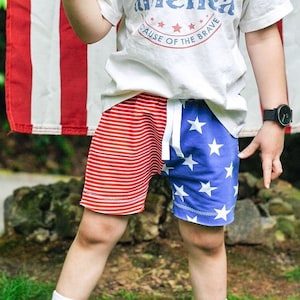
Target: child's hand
<point x="270" y="141"/>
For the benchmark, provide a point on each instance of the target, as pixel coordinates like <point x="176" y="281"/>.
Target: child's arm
<point x="267" y="58"/>
<point x="86" y="19"/>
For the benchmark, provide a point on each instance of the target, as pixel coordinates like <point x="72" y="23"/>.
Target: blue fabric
<point x="205" y="181"/>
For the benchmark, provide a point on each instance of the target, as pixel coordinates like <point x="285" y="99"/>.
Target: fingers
<point x="272" y="169"/>
<point x="277" y="169"/>
<point x="270" y="144"/>
<point x="267" y="172"/>
<point x="249" y="150"/>
<point x="271" y="165"/>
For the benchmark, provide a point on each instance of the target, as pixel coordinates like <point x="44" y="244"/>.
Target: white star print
<point x="180" y="192"/>
<point x="188" y="161"/>
<point x="206" y="188"/>
<point x="214" y="147"/>
<point x="167" y="169"/>
<point x="229" y="170"/>
<point x="196" y="125"/>
<point x="193" y="220"/>
<point x="222" y="213"/>
<point x="236" y="188"/>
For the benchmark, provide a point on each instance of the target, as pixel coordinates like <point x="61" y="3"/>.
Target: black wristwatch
<point x="283" y="115"/>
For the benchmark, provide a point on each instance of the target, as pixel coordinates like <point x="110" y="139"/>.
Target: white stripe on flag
<point x="291" y="35"/>
<point x="97" y="78"/>
<point x="45" y="54"/>
<point x="291" y="38"/>
<point x="46" y="76"/>
<point x="253" y="119"/>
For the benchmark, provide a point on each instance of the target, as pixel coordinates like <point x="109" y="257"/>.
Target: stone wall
<point x="49" y="212"/>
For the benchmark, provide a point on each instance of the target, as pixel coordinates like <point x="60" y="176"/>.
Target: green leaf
<point x="3" y="4"/>
<point x="2" y="78"/>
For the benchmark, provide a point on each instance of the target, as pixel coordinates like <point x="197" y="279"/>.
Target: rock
<point x="279" y="236"/>
<point x="278" y="207"/>
<point x="247" y="185"/>
<point x="295" y="203"/>
<point x="285" y="191"/>
<point x="27" y="209"/>
<point x="263" y="209"/>
<point x="292" y="196"/>
<point x="50" y="212"/>
<point x="266" y="194"/>
<point x="40" y="235"/>
<point x="146" y="226"/>
<point x="269" y="226"/>
<point x="297" y="228"/>
<point x="247" y="228"/>
<point x="287" y="227"/>
<point x="53" y="208"/>
<point x="67" y="218"/>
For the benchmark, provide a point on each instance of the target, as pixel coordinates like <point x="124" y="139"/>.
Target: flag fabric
<point x="291" y="42"/>
<point x="54" y="81"/>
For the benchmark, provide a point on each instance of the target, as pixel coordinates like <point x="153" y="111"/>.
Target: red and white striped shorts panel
<point x="124" y="154"/>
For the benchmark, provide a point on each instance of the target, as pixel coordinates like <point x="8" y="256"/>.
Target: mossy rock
<point x="287" y="227"/>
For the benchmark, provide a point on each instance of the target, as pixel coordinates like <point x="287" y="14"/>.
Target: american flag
<point x="54" y="81"/>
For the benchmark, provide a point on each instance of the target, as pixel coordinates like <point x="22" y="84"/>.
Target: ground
<point x="159" y="268"/>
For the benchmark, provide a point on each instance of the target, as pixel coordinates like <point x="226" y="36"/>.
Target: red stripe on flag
<point x="279" y="26"/>
<point x="73" y="64"/>
<point x="18" y="66"/>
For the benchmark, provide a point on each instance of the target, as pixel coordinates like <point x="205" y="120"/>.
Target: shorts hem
<point x="116" y="212"/>
<point x="204" y="223"/>
<point x="203" y="220"/>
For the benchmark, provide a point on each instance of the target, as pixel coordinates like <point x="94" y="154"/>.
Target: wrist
<point x="282" y="115"/>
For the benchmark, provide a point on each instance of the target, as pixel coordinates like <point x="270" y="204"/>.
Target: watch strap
<point x="270" y="115"/>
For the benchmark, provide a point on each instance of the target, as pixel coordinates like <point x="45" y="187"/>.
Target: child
<point x="174" y="107"/>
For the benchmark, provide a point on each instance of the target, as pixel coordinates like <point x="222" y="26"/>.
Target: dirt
<point x="158" y="268"/>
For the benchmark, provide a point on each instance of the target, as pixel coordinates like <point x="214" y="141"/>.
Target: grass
<point x="24" y="288"/>
<point x="294" y="274"/>
<point x="232" y="297"/>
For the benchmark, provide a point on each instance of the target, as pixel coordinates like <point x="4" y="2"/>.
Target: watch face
<point x="284" y="115"/>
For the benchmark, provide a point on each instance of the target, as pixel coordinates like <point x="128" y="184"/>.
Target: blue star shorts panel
<point x="203" y="173"/>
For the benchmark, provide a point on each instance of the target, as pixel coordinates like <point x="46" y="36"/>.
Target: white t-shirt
<point x="185" y="49"/>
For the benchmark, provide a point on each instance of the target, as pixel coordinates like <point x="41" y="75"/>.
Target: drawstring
<point x="172" y="131"/>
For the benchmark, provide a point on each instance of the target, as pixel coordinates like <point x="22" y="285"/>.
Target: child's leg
<point x="125" y="153"/>
<point x="204" y="180"/>
<point x="207" y="260"/>
<point x="84" y="264"/>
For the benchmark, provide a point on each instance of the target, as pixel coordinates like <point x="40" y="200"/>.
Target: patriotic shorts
<point x="183" y="140"/>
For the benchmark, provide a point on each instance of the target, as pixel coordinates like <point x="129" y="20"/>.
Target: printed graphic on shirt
<point x="171" y="29"/>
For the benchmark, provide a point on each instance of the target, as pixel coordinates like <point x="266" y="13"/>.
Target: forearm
<point x="86" y="19"/>
<point x="267" y="58"/>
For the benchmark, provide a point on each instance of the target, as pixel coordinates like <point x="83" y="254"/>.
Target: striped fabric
<point x="54" y="82"/>
<point x="120" y="166"/>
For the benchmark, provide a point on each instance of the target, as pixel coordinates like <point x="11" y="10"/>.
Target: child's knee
<point x="198" y="237"/>
<point x="102" y="229"/>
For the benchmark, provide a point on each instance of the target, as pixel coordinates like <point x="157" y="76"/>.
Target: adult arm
<point x="267" y="58"/>
<point x="86" y="19"/>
